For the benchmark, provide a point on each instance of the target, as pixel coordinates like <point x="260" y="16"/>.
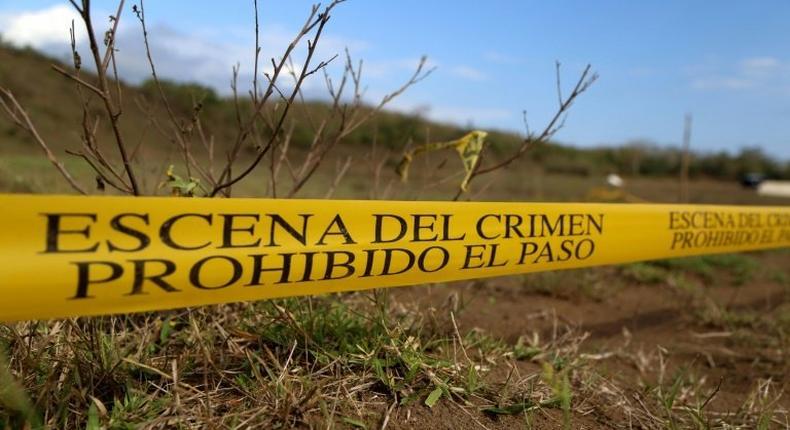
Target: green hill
<point x="51" y="101"/>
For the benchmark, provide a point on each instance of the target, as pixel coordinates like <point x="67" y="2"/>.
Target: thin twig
<point x="244" y="130"/>
<point x="347" y="115"/>
<point x="113" y="112"/>
<point x="20" y="117"/>
<point x="338" y="177"/>
<point x="320" y="22"/>
<point x="77" y="79"/>
<point x="586" y="79"/>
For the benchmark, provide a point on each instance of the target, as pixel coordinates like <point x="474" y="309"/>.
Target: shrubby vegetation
<point x="638" y="158"/>
<point x="648" y="159"/>
<point x="393" y="131"/>
<point x="367" y="359"/>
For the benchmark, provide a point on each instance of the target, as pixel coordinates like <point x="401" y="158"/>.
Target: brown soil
<point x="631" y="322"/>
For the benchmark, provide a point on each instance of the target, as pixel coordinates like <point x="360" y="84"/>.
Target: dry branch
<point x="20" y="118"/>
<point x="315" y="20"/>
<point x="348" y="115"/>
<point x="112" y="107"/>
<point x="585" y="80"/>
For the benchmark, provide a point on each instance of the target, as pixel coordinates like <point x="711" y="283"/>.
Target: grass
<point x="290" y="362"/>
<point x="691" y="276"/>
<point x="360" y="360"/>
<point x="357" y="360"/>
<point x="351" y="360"/>
<point x="579" y="284"/>
<point x="363" y="360"/>
<point x="740" y="268"/>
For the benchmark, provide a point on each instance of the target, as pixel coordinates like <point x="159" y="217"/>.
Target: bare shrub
<point x="266" y="127"/>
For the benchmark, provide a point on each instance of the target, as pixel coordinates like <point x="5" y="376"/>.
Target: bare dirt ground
<point x="696" y="342"/>
<point x="717" y="337"/>
<point x="690" y="343"/>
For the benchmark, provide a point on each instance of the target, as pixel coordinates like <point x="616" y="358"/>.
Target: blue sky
<point x="728" y="64"/>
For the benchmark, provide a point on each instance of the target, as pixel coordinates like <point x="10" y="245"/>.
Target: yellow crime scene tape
<point x="68" y="256"/>
<point x="468" y="147"/>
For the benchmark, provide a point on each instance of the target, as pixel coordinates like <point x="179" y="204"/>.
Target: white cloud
<point x="753" y="73"/>
<point x="469" y="73"/>
<point x="40" y="28"/>
<point x="199" y="57"/>
<point x="722" y="82"/>
<point x="209" y="60"/>
<point x="182" y="57"/>
<point x="395" y="67"/>
<point x="501" y="58"/>
<point x="760" y="64"/>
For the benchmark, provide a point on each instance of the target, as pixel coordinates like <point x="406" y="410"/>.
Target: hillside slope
<point x="53" y="105"/>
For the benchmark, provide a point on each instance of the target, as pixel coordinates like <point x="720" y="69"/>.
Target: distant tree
<point x="634" y="152"/>
<point x="182" y="96"/>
